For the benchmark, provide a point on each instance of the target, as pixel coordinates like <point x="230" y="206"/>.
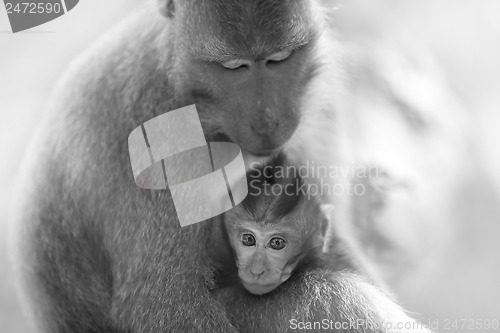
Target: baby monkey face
<point x="266" y="254"/>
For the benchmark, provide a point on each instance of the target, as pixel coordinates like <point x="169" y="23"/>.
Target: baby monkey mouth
<point x="259" y="288"/>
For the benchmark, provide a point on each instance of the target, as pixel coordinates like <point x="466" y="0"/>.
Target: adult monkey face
<point x="245" y="64"/>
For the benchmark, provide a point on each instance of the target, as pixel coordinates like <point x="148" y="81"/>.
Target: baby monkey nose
<point x="257" y="271"/>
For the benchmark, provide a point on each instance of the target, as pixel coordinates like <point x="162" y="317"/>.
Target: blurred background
<point x="463" y="35"/>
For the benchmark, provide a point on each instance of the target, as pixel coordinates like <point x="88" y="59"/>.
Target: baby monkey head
<point x="273" y="235"/>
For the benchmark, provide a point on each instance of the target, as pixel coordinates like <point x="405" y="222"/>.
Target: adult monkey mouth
<point x="250" y="156"/>
<point x="221" y="137"/>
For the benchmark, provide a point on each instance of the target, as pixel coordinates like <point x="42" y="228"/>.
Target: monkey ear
<point x="167" y="8"/>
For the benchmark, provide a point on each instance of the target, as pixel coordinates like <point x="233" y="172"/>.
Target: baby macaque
<point x="276" y="231"/>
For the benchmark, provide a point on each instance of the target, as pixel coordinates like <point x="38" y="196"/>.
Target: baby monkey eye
<point x="248" y="240"/>
<point x="277" y="243"/>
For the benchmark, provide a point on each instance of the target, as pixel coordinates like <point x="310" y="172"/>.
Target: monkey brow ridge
<point x="219" y="50"/>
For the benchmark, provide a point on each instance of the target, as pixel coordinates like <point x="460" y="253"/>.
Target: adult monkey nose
<point x="265" y="122"/>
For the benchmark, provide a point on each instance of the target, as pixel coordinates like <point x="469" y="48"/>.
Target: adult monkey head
<point x="246" y="64"/>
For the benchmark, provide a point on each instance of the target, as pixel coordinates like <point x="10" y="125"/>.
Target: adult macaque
<point x="100" y="254"/>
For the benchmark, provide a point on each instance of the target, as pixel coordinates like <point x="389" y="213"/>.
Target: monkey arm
<point x="130" y="269"/>
<point x="318" y="296"/>
<point x="160" y="270"/>
<point x="163" y="300"/>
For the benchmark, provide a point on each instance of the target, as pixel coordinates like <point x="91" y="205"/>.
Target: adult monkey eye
<point x="248" y="240"/>
<point x="236" y="64"/>
<point x="277" y="243"/>
<point x="279" y="56"/>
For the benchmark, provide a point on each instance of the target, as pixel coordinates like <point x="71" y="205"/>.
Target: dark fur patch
<point x="264" y="204"/>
